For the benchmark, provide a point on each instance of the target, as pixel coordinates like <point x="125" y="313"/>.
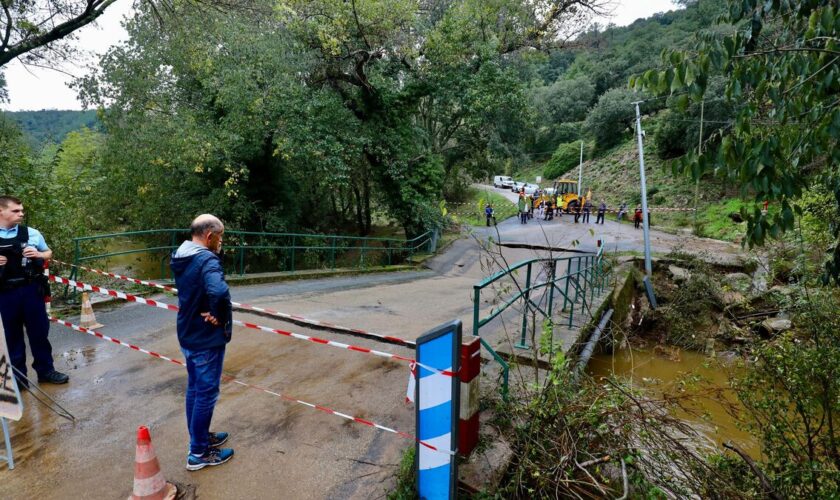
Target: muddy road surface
<point x="283" y="449"/>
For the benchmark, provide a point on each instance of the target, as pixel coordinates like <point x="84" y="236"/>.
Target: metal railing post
<point x="476" y="305"/>
<point x="551" y="278"/>
<point x="77" y="255"/>
<point x="527" y="296"/>
<point x="293" y="253"/>
<point x="566" y="291"/>
<point x="332" y="253"/>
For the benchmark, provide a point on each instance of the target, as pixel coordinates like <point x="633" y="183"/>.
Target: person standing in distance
<point x="204" y="328"/>
<point x="23" y="252"/>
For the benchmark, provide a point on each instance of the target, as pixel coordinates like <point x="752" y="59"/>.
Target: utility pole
<point x="699" y="153"/>
<point x="648" y="266"/>
<point x="580" y="168"/>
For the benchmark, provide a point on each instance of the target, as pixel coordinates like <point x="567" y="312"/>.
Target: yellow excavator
<point x="564" y="195"/>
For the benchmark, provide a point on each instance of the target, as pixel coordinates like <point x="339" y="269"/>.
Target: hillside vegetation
<point x="52" y="126"/>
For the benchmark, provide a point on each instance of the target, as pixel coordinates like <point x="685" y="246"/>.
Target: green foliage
<point x="4" y="92"/>
<point x="17" y="177"/>
<point x="779" y="59"/>
<point x="678" y="129"/>
<point x="59" y="186"/>
<point x="471" y="211"/>
<point x="406" y="477"/>
<point x="613" y="117"/>
<point x="620" y="52"/>
<point x="715" y="221"/>
<point x="52" y="126"/>
<point x="317" y="124"/>
<point x="565" y="100"/>
<point x="565" y="158"/>
<point x="790" y="395"/>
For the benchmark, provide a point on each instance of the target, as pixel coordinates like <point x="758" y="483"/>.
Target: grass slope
<point x="614" y="177"/>
<point x="471" y="211"/>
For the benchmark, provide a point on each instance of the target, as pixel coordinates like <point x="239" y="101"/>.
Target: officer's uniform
<point x="22" y="299"/>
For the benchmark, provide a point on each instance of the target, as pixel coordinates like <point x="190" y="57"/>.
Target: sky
<point x="35" y="88"/>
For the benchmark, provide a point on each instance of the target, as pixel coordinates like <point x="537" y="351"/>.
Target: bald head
<point x="207" y="230"/>
<point x="206" y="222"/>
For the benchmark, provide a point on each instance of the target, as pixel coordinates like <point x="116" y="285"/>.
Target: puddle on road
<point x="652" y="371"/>
<point x="81" y="357"/>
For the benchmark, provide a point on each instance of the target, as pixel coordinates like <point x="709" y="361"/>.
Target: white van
<point x="502" y="181"/>
<point x="530" y="189"/>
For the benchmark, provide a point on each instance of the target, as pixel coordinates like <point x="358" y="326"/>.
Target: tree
<point x="780" y="60"/>
<point x="566" y="157"/>
<point x="317" y="114"/>
<point x="17" y="177"/>
<point x="612" y="117"/>
<point x="41" y="29"/>
<point x="678" y="128"/>
<point x="41" y="32"/>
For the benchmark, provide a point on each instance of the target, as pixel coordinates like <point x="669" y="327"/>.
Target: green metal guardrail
<point x="318" y="250"/>
<point x="585" y="276"/>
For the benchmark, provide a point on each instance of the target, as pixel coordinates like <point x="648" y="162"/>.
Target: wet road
<point x="283" y="450"/>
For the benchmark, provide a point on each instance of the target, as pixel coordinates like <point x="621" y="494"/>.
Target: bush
<point x="670" y="136"/>
<point x="568" y="131"/>
<point x="565" y="157"/>
<point x="612" y="117"/>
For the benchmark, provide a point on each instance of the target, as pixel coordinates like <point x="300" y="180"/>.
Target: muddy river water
<point x="657" y="373"/>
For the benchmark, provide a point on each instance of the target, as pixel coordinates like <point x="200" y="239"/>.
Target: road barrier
<point x="437" y="400"/>
<point x="162" y="305"/>
<point x="269" y="312"/>
<point x="237" y="381"/>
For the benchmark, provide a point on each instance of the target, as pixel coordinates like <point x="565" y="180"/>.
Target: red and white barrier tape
<point x="120" y="277"/>
<point x="325" y="324"/>
<point x="253" y="386"/>
<point x="113" y="293"/>
<point x="249" y="307"/>
<point x="154" y="303"/>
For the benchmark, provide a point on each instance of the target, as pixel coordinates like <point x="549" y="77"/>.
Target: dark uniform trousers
<point x="24" y="307"/>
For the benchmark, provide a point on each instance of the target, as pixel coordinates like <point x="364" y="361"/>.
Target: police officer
<point x="23" y="251"/>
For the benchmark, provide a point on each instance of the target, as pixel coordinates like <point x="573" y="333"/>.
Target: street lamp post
<point x="645" y="224"/>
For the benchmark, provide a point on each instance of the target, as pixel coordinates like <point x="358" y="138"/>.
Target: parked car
<point x="530" y="189"/>
<point x="517" y="186"/>
<point x="502" y="181"/>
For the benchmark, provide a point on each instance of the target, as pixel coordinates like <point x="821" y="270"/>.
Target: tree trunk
<point x="359" y="216"/>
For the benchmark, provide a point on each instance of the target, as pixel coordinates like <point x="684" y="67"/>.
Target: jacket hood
<point x="184" y="255"/>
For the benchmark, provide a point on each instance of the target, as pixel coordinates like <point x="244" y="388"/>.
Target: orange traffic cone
<point x="88" y="319"/>
<point x="149" y="482"/>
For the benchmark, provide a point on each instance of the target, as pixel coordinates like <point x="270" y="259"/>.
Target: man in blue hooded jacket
<point x="204" y="329"/>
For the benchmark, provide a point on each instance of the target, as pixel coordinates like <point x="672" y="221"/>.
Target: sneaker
<point x="218" y="438"/>
<point x="213" y="456"/>
<point x="53" y="377"/>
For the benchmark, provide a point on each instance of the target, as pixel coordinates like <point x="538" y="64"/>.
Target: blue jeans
<point x="204" y="374"/>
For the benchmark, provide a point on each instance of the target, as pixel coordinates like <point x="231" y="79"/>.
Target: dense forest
<point x="238" y="119"/>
